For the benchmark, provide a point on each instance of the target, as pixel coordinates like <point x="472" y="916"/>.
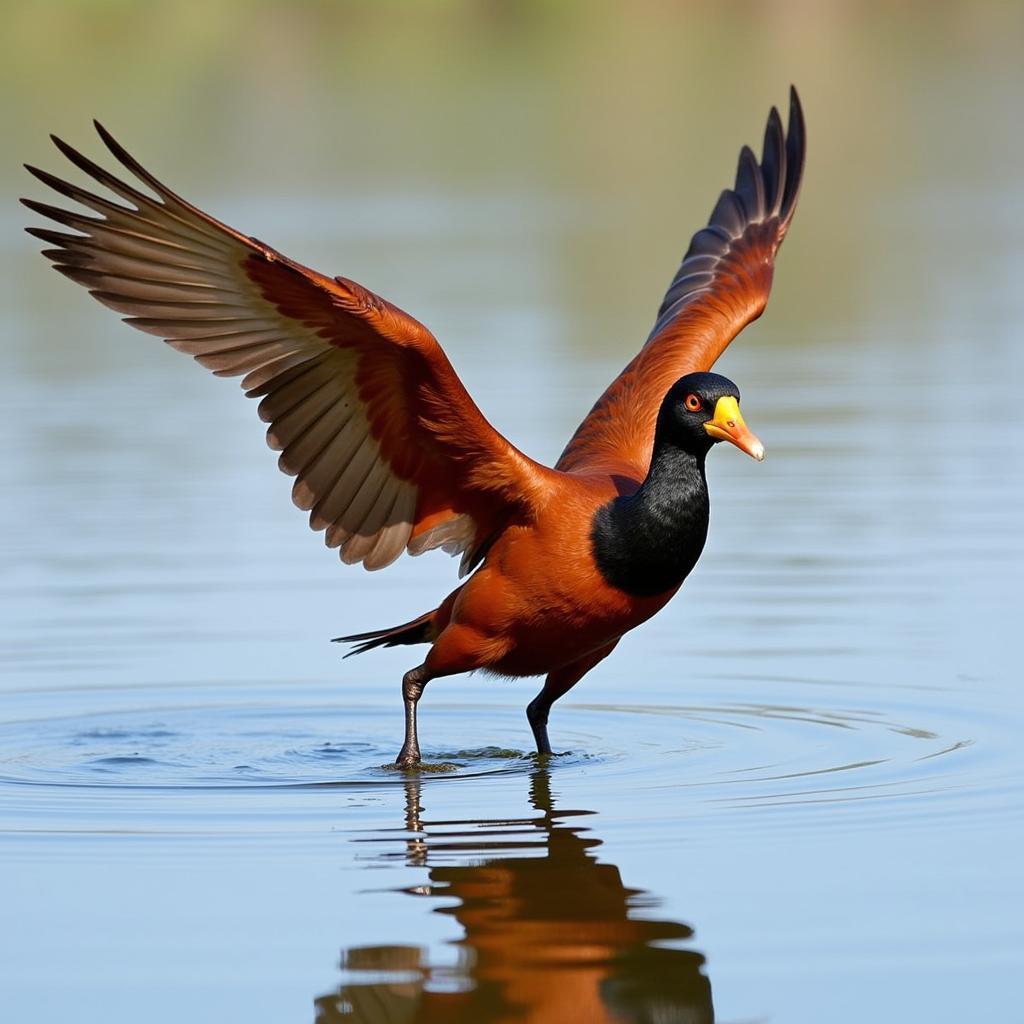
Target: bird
<point x="389" y="452"/>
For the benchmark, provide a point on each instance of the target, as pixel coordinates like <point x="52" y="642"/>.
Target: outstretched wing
<point x="388" y="449"/>
<point x="721" y="285"/>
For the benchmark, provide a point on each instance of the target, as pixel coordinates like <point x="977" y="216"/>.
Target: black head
<point x="701" y="409"/>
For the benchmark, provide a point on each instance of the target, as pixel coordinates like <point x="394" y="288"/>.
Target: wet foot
<point x="408" y="758"/>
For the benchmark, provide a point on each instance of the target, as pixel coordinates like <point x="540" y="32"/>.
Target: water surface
<point x="792" y="796"/>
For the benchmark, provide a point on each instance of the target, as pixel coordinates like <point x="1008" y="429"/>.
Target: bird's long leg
<point x="556" y="685"/>
<point x="538" y="709"/>
<point x="413" y="683"/>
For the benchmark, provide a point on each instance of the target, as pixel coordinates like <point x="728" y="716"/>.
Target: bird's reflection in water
<point x="549" y="934"/>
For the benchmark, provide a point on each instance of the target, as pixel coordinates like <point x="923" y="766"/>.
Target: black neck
<point x="646" y="543"/>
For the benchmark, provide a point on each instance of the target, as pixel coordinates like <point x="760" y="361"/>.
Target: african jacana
<point x="391" y="454"/>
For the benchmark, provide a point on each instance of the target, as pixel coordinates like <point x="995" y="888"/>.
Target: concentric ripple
<point x="183" y="766"/>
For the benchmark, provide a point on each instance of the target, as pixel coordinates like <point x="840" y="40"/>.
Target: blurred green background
<point x="635" y="108"/>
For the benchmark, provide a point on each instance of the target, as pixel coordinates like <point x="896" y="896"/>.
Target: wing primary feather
<point x="749" y="187"/>
<point x="125" y="272"/>
<point x="110" y="209"/>
<point x="710" y="241"/>
<point x="101" y="174"/>
<point x="728" y="214"/>
<point x="111" y="238"/>
<point x="197" y="218"/>
<point x="96" y="228"/>
<point x="78" y="194"/>
<point x="795" y="152"/>
<point x="60" y="215"/>
<point x="177" y="297"/>
<point x="164" y="267"/>
<point x="126" y="191"/>
<point x="61" y="238"/>
<point x="773" y="163"/>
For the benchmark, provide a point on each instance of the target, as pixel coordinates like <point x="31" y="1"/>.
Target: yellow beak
<point x="728" y="425"/>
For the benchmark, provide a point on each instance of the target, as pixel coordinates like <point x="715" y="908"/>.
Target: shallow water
<point x="794" y="795"/>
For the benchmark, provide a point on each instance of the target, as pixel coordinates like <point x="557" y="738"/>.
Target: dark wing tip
<point x="749" y="187"/>
<point x="796" y="150"/>
<point x="68" y="150"/>
<point x="46" y="210"/>
<point x="108" y="140"/>
<point x="765" y="191"/>
<point x="33" y="204"/>
<point x="746" y="156"/>
<point x="51" y="236"/>
<point x="770" y="188"/>
<point x="126" y="160"/>
<point x="773" y="162"/>
<point x="57" y="184"/>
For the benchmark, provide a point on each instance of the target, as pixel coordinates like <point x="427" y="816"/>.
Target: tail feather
<point x="419" y="631"/>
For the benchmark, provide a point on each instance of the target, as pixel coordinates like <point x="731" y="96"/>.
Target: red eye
<point x="693" y="403"/>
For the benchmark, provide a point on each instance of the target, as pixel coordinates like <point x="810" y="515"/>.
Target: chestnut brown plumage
<point x="390" y="453"/>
